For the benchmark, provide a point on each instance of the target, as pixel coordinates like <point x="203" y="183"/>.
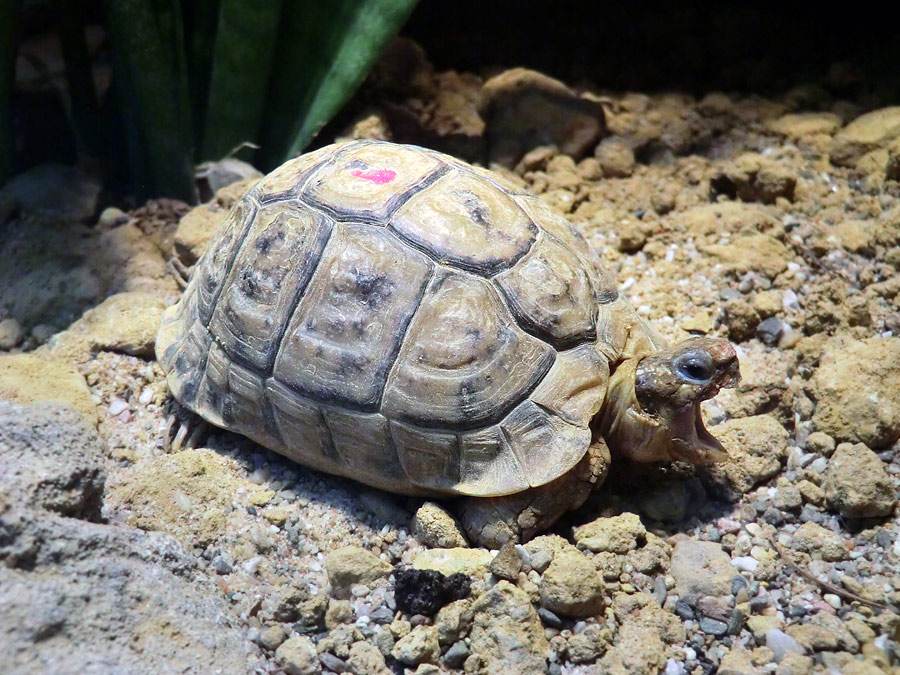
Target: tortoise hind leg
<point x="492" y="521"/>
<point x="191" y="428"/>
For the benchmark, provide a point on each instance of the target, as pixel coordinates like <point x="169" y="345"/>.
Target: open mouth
<point x="691" y="442"/>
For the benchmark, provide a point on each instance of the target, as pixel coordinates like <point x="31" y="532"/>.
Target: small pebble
<point x="684" y="610"/>
<point x="548" y="618"/>
<point x="781" y="644"/>
<point x="456" y="655"/>
<point x="333" y="663"/>
<point x="117" y="406"/>
<point x="745" y="563"/>
<point x="713" y="626"/>
<point x="770" y="330"/>
<point x="11" y="334"/>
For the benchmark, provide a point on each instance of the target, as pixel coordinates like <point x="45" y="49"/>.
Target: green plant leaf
<point x="245" y="45"/>
<point x="324" y="51"/>
<point x="148" y="41"/>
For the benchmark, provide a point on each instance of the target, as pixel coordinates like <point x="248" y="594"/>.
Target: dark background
<point x="694" y="47"/>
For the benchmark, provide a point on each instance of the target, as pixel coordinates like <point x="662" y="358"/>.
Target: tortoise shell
<point x="393" y="315"/>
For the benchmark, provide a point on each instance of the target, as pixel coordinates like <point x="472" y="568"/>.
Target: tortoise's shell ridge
<point x="393" y="315"/>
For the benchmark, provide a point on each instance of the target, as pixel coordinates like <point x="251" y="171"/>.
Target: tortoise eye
<point x="695" y="367"/>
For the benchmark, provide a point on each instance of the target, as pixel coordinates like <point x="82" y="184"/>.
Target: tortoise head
<point x="653" y="413"/>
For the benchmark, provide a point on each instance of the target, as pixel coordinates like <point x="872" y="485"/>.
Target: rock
<point x="701" y="568"/>
<point x="892" y="169"/>
<point x="617" y="535"/>
<point x="813" y="638"/>
<point x="737" y="661"/>
<point x="11" y="334"/>
<point x="436" y="528"/>
<point x="85" y="597"/>
<point x="795" y="664"/>
<point x="857" y="391"/>
<point x="588" y="645"/>
<point x="295" y="603"/>
<point x="815" y="539"/>
<point x="756" y="447"/>
<point x="366" y="659"/>
<point x="667" y="503"/>
<point x="760" y="624"/>
<point x="856" y="483"/>
<point x="420" y="646"/>
<point x="616" y="158"/>
<point x="781" y="644"/>
<point x="129" y="260"/>
<point x="868" y="132"/>
<point x="758" y="253"/>
<point x="51" y="192"/>
<point x="473" y="562"/>
<point x="453" y="621"/>
<point x="524" y="109"/>
<point x="215" y="176"/>
<point x="456" y="655"/>
<point x="820" y="443"/>
<point x="571" y="585"/>
<point x="728" y="218"/>
<point x="770" y="330"/>
<point x="338" y="612"/>
<point x="507" y="633"/>
<point x="271" y="637"/>
<point x="353" y="565"/>
<point x="640" y="647"/>
<point x="798" y="125"/>
<point x="811" y="493"/>
<point x="297" y="655"/>
<point x="507" y="563"/>
<point x="125" y="322"/>
<point x="755" y="178"/>
<point x="52" y="459"/>
<point x="426" y="591"/>
<point x="25" y="378"/>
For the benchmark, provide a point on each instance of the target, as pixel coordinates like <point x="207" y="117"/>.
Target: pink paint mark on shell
<point x="377" y="176"/>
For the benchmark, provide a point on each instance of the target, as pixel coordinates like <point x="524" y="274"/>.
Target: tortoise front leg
<point x="493" y="521"/>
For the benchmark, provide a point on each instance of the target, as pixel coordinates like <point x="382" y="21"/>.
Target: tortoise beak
<point x="692" y="442"/>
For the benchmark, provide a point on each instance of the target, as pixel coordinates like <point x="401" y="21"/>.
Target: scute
<point x="605" y="289"/>
<point x="214" y="265"/>
<point x="286" y="180"/>
<point x="464" y="221"/>
<point x="268" y="278"/>
<point x="464" y="361"/>
<point x="347" y="328"/>
<point x="367" y="181"/>
<point x="550" y="293"/>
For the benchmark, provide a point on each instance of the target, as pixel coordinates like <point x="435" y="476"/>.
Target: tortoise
<point x="396" y="316"/>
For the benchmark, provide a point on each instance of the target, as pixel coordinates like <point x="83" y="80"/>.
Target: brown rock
<point x="797" y="125"/>
<point x="616" y="158"/>
<point x="524" y="109"/>
<point x="507" y="633"/>
<point x="755" y="178"/>
<point x="572" y="586"/>
<point x="752" y="253"/>
<point x="126" y="323"/>
<point x="701" y="568"/>
<point x="856" y="483"/>
<point x="868" y="132"/>
<point x="25" y="378"/>
<point x="857" y="389"/>
<point x="756" y="448"/>
<point x="352" y="565"/>
<point x="436" y="528"/>
<point x="816" y="539"/>
<point x="617" y="535"/>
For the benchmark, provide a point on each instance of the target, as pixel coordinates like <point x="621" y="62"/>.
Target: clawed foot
<point x="190" y="428"/>
<point x="179" y="271"/>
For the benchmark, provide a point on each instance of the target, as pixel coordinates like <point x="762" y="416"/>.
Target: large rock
<point x="507" y="633"/>
<point x="701" y="568"/>
<point x="817" y="540"/>
<point x="758" y="253"/>
<point x="25" y="378"/>
<point x="642" y="645"/>
<point x="617" y="535"/>
<point x="571" y="585"/>
<point x="80" y="597"/>
<point x="125" y="322"/>
<point x="524" y="109"/>
<point x="298" y="656"/>
<point x="872" y="131"/>
<point x="756" y="447"/>
<point x="51" y="458"/>
<point x="755" y="178"/>
<point x="857" y="391"/>
<point x="798" y="125"/>
<point x="474" y="562"/>
<point x="856" y="483"/>
<point x="352" y="565"/>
